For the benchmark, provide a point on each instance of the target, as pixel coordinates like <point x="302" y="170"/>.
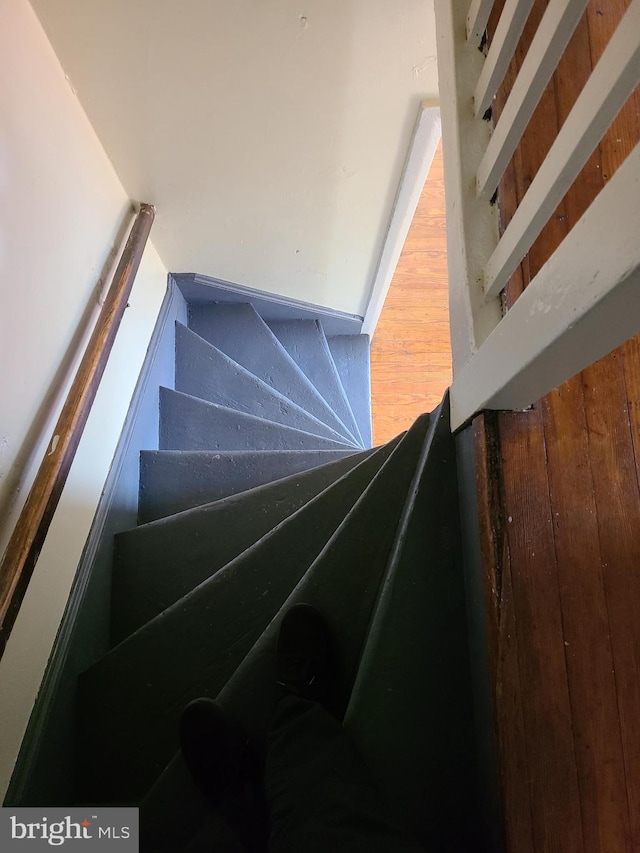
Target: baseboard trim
<point x="50" y="729"/>
<point x="271" y="306"/>
<point x="424" y="141"/>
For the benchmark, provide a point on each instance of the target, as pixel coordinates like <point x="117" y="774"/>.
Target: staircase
<point x="264" y="492"/>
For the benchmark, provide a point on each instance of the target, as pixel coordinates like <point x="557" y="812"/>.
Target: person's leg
<point x="223" y="765"/>
<point x="321" y="795"/>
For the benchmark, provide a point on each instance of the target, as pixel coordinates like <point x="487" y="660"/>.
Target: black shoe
<point x="305" y="663"/>
<point x="227" y="770"/>
<point x="215" y="749"/>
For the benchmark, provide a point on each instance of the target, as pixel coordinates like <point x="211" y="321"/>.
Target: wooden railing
<point x="29" y="534"/>
<point x="585" y="301"/>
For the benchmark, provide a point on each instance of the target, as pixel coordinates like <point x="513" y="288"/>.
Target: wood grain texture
<point x="618" y="512"/>
<point x="590" y="660"/>
<point x="512" y="744"/>
<point x="411" y="349"/>
<point x="568" y="659"/>
<point x="548" y="724"/>
<point x="29" y="534"/>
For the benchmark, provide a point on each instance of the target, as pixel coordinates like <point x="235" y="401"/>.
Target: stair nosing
<point x="261" y="641"/>
<point x="167" y="519"/>
<point x="336" y="375"/>
<point x="255" y="418"/>
<point x="283" y="354"/>
<point x="230" y="565"/>
<point x="265" y="387"/>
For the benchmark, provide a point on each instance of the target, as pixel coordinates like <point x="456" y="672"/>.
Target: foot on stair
<point x="216" y="750"/>
<point x="306" y="664"/>
<point x="225" y="767"/>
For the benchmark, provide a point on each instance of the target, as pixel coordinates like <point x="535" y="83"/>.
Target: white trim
<point x="510" y="26"/>
<point x="583" y="303"/>
<point x="472" y="223"/>
<point x="422" y="148"/>
<point x="477" y="20"/>
<point x="552" y="36"/>
<point x="610" y="84"/>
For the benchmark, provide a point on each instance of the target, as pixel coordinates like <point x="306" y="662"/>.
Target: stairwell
<point x="264" y="492"/>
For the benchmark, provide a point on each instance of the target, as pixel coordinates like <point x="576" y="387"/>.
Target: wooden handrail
<point x="29" y="534"/>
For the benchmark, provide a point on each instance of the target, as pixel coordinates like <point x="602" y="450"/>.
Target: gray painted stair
<point x="192" y="648"/>
<point x="239" y="332"/>
<point x="351" y="356"/>
<point x="188" y="423"/>
<point x="205" y="372"/>
<point x="257" y="498"/>
<point x="307" y="345"/>
<point x="422" y="608"/>
<point x="343" y="582"/>
<point x="204" y="539"/>
<point x="174" y="480"/>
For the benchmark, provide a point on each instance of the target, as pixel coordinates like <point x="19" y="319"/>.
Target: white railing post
<point x="514" y="17"/>
<point x="552" y="36"/>
<point x="584" y="302"/>
<point x="610" y="84"/>
<point x="472" y="225"/>
<point x="477" y="20"/>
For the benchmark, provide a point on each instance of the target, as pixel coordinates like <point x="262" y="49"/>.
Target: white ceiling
<point x="271" y="134"/>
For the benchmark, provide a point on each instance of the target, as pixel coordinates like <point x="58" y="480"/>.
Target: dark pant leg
<point x="320" y="793"/>
<point x="216" y="836"/>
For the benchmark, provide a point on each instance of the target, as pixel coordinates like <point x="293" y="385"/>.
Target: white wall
<point x="62" y="208"/>
<point x="271" y="135"/>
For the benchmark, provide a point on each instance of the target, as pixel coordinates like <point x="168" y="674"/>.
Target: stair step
<point x="158" y="563"/>
<point x="307" y="345"/>
<point x="239" y="332"/>
<point x="187" y="423"/>
<point x="174" y="480"/>
<point x="203" y="371"/>
<point x="351" y="356"/>
<point x="414" y="674"/>
<point x="131" y="699"/>
<point x="342" y="583"/>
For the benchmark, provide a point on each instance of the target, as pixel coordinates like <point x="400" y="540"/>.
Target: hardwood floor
<point x="411" y="351"/>
<point x="561" y="535"/>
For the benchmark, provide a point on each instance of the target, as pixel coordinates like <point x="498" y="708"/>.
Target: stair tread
<point x="192" y="648"/>
<point x="414" y="673"/>
<point x="351" y="356"/>
<point x="307" y="345"/>
<point x="201" y="540"/>
<point x="204" y="371"/>
<point x="187" y="423"/>
<point x="240" y="332"/>
<point x="342" y="582"/>
<point x="174" y="480"/>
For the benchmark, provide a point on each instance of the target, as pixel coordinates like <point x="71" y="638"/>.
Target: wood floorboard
<point x="567" y="662"/>
<point x="618" y="513"/>
<point x="411" y="349"/>
<point x="516" y="771"/>
<point x="590" y="660"/>
<point x="552" y="773"/>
